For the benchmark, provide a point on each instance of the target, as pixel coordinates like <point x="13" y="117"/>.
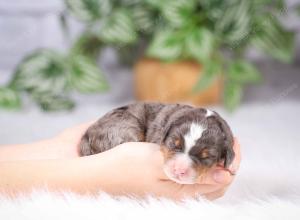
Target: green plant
<point x="200" y="30"/>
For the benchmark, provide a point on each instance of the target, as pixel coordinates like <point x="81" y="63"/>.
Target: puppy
<point x="192" y="139"/>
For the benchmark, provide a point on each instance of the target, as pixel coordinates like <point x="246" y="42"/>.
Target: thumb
<point x="216" y="176"/>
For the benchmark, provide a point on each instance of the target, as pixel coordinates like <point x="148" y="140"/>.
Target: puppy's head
<point x="195" y="142"/>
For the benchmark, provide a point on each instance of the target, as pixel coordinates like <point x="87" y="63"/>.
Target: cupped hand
<point x="137" y="168"/>
<point x="69" y="139"/>
<point x="221" y="178"/>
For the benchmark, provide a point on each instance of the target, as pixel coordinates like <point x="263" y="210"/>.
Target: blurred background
<point x="67" y="62"/>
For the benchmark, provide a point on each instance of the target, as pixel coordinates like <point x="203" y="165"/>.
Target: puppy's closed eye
<point x="208" y="153"/>
<point x="177" y="145"/>
<point x="204" y="154"/>
<point x="207" y="157"/>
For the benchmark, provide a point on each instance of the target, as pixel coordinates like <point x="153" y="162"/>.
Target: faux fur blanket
<point x="262" y="190"/>
<point x="46" y="206"/>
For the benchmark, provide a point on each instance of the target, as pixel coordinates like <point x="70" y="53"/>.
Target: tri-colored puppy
<point x="192" y="139"/>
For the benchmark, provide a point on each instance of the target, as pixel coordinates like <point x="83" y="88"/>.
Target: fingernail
<point x="233" y="168"/>
<point x="220" y="176"/>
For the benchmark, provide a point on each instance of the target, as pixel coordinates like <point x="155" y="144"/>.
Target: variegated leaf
<point x="178" y="12"/>
<point x="273" y="39"/>
<point x="118" y="28"/>
<point x="42" y="71"/>
<point x="209" y="74"/>
<point x="241" y="71"/>
<point x="49" y="102"/>
<point x="87" y="44"/>
<point x="9" y="98"/>
<point x="235" y="24"/>
<point x="199" y="44"/>
<point x="85" y="75"/>
<point x="89" y="10"/>
<point x="165" y="46"/>
<point x="143" y="19"/>
<point x="232" y="95"/>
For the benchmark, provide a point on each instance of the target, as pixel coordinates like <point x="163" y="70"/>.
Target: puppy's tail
<point x="84" y="146"/>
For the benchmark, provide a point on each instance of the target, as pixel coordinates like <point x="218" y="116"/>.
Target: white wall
<point x="26" y="25"/>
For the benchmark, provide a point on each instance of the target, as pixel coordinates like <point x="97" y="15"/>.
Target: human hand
<point x="145" y="162"/>
<point x="69" y="139"/>
<point x="62" y="146"/>
<point x="137" y="168"/>
<point x="220" y="177"/>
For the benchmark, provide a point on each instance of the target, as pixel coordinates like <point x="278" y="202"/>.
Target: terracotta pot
<point x="173" y="82"/>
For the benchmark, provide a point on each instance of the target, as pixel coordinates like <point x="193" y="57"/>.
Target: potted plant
<point x="183" y="50"/>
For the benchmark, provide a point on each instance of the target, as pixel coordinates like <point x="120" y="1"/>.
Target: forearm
<point x="45" y="149"/>
<point x="77" y="175"/>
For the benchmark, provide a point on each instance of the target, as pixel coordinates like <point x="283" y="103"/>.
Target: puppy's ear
<point x="165" y="132"/>
<point x="158" y="133"/>
<point x="228" y="153"/>
<point x="228" y="156"/>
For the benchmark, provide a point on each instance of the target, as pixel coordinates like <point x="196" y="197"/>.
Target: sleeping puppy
<point x="192" y="139"/>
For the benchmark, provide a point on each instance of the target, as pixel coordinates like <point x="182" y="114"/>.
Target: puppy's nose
<point x="180" y="171"/>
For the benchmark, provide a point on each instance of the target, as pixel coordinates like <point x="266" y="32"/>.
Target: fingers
<point x="215" y="195"/>
<point x="212" y="185"/>
<point x="220" y="175"/>
<point x="210" y="188"/>
<point x="216" y="176"/>
<point x="210" y="192"/>
<point x="237" y="159"/>
<point x="179" y="191"/>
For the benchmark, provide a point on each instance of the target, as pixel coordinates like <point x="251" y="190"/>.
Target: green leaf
<point x="199" y="44"/>
<point x="144" y="18"/>
<point x="49" y="102"/>
<point x="241" y="71"/>
<point x="273" y="39"/>
<point x="155" y="3"/>
<point x="234" y="24"/>
<point x="42" y="71"/>
<point x="88" y="10"/>
<point x="85" y="76"/>
<point x="165" y="46"/>
<point x="178" y="13"/>
<point x="9" y="98"/>
<point x="232" y="95"/>
<point x="118" y="28"/>
<point x="278" y="5"/>
<point x="210" y="72"/>
<point x="87" y="44"/>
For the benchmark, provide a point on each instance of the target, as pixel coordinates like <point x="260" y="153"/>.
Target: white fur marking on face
<point x="184" y="159"/>
<point x="180" y="160"/>
<point x="192" y="136"/>
<point x="209" y="113"/>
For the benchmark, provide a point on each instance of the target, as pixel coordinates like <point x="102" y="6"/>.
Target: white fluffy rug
<point x="49" y="206"/>
<point x="266" y="187"/>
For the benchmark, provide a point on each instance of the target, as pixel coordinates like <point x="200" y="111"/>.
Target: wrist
<point x="121" y="170"/>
